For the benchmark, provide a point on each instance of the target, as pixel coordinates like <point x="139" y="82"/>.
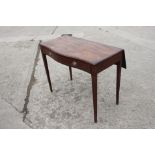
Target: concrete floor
<point x="25" y="99"/>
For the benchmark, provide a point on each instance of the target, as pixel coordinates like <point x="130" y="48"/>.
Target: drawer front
<point x="67" y="61"/>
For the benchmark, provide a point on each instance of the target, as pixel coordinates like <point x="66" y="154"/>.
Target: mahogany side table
<point x="86" y="55"/>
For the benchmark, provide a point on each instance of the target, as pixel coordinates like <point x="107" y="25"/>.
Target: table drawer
<point x="67" y="60"/>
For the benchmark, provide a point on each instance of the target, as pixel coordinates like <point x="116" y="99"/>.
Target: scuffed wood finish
<point x="76" y="48"/>
<point x="86" y="55"/>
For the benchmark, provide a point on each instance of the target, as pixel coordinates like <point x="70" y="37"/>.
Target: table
<point x="88" y="56"/>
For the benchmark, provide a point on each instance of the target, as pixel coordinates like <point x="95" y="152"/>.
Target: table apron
<point x="109" y="62"/>
<point x="67" y="61"/>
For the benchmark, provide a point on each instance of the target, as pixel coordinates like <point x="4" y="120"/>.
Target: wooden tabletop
<point x="81" y="49"/>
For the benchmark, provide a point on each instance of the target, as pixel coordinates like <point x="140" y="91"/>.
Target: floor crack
<point x="14" y="107"/>
<point x="32" y="79"/>
<point x="54" y="30"/>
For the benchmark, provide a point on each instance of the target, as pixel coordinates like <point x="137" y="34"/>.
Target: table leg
<point x="118" y="81"/>
<point x="70" y="70"/>
<point x="47" y="71"/>
<point x="94" y="90"/>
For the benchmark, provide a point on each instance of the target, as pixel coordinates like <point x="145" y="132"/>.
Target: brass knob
<point x="74" y="63"/>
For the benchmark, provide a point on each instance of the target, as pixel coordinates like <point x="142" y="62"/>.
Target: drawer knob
<point x="74" y="63"/>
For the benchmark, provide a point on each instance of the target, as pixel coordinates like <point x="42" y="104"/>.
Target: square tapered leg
<point x="94" y="90"/>
<point x="47" y="70"/>
<point x="118" y="79"/>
